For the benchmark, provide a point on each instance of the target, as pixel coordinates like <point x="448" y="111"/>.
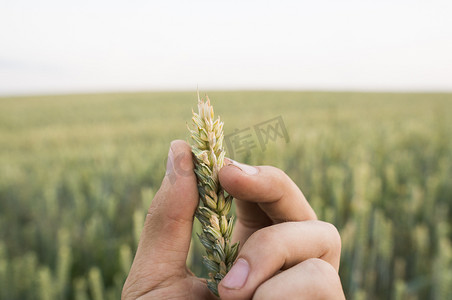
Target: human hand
<point x="285" y="252"/>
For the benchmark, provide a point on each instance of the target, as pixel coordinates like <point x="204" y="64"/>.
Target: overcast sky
<point x="53" y="46"/>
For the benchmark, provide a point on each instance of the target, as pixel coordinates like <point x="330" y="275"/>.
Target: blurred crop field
<point x="78" y="172"/>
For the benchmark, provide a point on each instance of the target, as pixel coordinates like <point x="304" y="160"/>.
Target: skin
<point x="290" y="254"/>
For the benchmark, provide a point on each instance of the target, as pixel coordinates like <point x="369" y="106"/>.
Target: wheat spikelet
<point x="214" y="204"/>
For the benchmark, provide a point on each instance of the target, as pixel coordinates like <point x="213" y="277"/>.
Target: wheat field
<point x="77" y="173"/>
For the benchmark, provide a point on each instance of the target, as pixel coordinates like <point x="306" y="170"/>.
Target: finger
<point x="264" y="195"/>
<point x="276" y="248"/>
<point x="167" y="229"/>
<point x="310" y="279"/>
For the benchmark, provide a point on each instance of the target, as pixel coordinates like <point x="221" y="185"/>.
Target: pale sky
<point x="55" y="46"/>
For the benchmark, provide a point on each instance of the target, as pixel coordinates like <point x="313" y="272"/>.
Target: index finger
<point x="264" y="189"/>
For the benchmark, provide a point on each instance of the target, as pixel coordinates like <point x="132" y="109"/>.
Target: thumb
<point x="166" y="235"/>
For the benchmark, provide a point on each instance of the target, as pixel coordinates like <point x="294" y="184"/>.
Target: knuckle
<point x="264" y="236"/>
<point x="320" y="267"/>
<point x="322" y="283"/>
<point x="329" y="282"/>
<point x="333" y="238"/>
<point x="266" y="239"/>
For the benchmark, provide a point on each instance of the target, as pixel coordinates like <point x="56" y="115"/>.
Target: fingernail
<point x="236" y="277"/>
<point x="250" y="170"/>
<point x="169" y="163"/>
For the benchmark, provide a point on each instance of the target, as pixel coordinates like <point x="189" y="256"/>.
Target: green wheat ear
<point x="214" y="204"/>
